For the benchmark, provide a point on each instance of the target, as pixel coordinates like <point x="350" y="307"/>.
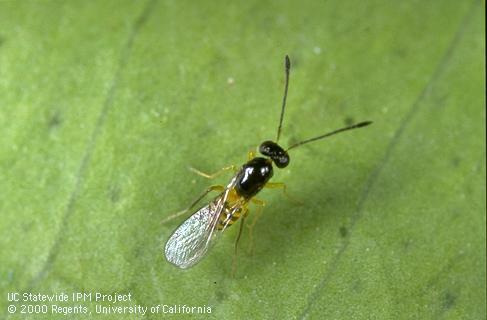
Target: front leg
<point x="218" y="188"/>
<point x="213" y="175"/>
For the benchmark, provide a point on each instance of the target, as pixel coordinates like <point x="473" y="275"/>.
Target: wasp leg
<point x="280" y="185"/>
<point x="234" y="263"/>
<point x="261" y="204"/>
<point x="219" y="188"/>
<point x="213" y="175"/>
<point x="251" y="155"/>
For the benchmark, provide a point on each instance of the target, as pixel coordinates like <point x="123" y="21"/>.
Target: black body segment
<point x="253" y="176"/>
<point x="275" y="152"/>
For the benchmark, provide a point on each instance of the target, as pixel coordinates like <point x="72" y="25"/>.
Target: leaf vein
<point x="85" y="161"/>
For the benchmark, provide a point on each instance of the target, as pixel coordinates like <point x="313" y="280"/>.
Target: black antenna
<point x="288" y="67"/>
<point x="355" y="126"/>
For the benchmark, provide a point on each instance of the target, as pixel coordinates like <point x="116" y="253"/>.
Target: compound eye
<point x="281" y="160"/>
<point x="267" y="148"/>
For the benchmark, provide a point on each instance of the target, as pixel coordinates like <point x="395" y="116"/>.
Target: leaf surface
<point x="104" y="106"/>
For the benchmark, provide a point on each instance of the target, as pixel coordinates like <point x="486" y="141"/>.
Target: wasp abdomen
<point x="228" y="216"/>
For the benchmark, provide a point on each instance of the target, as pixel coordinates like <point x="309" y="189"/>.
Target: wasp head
<point x="274" y="151"/>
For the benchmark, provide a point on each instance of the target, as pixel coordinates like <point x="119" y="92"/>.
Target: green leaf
<point x="104" y="105"/>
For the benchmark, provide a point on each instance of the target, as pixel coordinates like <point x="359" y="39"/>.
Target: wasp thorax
<point x="274" y="151"/>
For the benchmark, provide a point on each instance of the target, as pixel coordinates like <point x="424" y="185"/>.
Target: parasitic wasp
<point x="191" y="240"/>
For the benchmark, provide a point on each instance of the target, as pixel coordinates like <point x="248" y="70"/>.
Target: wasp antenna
<point x="287" y="64"/>
<point x="355" y="126"/>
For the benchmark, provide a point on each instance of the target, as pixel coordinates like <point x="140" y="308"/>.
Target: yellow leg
<point x="251" y="155"/>
<point x="234" y="263"/>
<point x="213" y="175"/>
<point x="261" y="204"/>
<point x="219" y="188"/>
<point x="280" y="185"/>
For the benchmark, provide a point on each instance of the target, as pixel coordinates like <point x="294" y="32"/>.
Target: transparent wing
<point x="192" y="239"/>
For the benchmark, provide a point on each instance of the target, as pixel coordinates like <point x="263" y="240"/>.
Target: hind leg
<point x="258" y="212"/>
<point x="234" y="262"/>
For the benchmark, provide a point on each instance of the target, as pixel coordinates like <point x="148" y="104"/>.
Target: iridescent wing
<point x="191" y="240"/>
